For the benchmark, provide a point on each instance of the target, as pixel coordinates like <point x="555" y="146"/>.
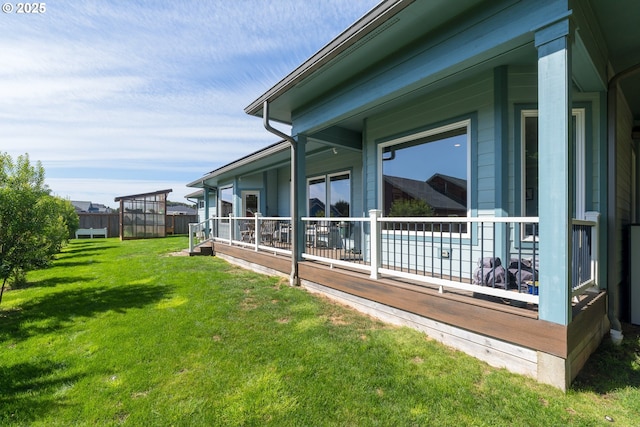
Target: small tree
<point x="342" y="208"/>
<point x="410" y="208"/>
<point x="33" y="224"/>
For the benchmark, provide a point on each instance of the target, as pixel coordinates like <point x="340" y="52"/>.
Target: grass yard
<point x="121" y="333"/>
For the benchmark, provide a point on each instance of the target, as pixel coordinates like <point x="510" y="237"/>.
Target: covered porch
<point x="484" y="256"/>
<point x="468" y="133"/>
<point x="499" y="326"/>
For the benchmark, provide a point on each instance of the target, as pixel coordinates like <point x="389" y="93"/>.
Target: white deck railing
<point x="455" y="253"/>
<point x="198" y="233"/>
<point x="450" y="252"/>
<point x="584" y="265"/>
<point x="270" y="234"/>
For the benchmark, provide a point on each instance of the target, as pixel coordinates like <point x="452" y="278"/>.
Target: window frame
<point x="431" y="132"/>
<point x="243" y="196"/>
<point x="225" y="218"/>
<point x="579" y="192"/>
<point x="327" y="191"/>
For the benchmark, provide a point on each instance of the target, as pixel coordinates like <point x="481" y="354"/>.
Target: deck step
<point x="203" y="249"/>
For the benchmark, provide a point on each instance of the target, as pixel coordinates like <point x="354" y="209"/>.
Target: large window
<point x="334" y="188"/>
<point x="426" y="174"/>
<point x="530" y="189"/>
<point x="226" y="201"/>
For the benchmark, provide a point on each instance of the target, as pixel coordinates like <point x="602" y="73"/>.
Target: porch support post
<point x="555" y="169"/>
<point x="299" y="193"/>
<point x="257" y="236"/>
<point x="298" y="169"/>
<point x="375" y="243"/>
<point x="206" y="210"/>
<point x="501" y="151"/>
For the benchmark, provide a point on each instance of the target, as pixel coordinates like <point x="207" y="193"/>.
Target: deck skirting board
<point x="590" y="342"/>
<point x="496" y="353"/>
<point x="258" y="268"/>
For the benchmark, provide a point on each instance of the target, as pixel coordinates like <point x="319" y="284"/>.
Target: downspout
<point x="293" y="278"/>
<point x="612" y="115"/>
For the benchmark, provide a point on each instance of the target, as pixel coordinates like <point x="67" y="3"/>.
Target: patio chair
<point x="247" y="232"/>
<point x="267" y="232"/>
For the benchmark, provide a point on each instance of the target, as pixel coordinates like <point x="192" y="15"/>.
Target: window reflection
<point x="427" y="176"/>
<point x="338" y="192"/>
<point x="226" y="202"/>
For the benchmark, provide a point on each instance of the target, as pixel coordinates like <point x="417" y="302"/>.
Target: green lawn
<point x="122" y="333"/>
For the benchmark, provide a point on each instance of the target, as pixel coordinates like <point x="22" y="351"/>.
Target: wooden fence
<point x="176" y="224"/>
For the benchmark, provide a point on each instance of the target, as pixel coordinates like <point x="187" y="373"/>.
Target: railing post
<point x="256" y="230"/>
<point x="232" y="226"/>
<point x="375" y="243"/>
<point x="594" y="217"/>
<point x="191" y="237"/>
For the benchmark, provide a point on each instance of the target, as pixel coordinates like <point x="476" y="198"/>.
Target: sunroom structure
<point x="143" y="216"/>
<point x="467" y="168"/>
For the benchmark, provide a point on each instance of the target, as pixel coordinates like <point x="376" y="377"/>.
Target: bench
<point x="91" y="232"/>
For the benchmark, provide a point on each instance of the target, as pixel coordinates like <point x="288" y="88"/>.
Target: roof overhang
<point x="373" y="37"/>
<point x="137" y="196"/>
<point x="252" y="163"/>
<point x="394" y="24"/>
<point x="198" y="194"/>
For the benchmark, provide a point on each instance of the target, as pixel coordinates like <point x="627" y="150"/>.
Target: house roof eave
<point x="152" y="193"/>
<point x="348" y="38"/>
<point x="243" y="161"/>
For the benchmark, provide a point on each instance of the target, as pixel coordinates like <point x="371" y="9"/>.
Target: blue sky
<point x="124" y="97"/>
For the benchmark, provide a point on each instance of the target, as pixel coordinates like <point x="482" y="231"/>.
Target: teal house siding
<point x="284" y="191"/>
<point x="470" y="97"/>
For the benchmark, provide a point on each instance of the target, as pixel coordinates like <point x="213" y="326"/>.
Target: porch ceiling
<point x="618" y="22"/>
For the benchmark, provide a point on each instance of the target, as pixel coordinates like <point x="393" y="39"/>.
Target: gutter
<point x="243" y="161"/>
<point x="612" y="222"/>
<point x="293" y="278"/>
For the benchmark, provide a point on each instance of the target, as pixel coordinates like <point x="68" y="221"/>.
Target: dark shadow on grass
<point x="29" y="390"/>
<point x="612" y="367"/>
<point x="55" y="281"/>
<point x="65" y="263"/>
<point x="58" y="310"/>
<point x="82" y="251"/>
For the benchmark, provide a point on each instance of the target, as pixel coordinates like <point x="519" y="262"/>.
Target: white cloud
<point x="125" y="97"/>
<point x="105" y="191"/>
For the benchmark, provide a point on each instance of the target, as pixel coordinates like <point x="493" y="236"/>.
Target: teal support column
<point x="206" y="210"/>
<point x="555" y="165"/>
<point x="206" y="203"/>
<point x="299" y="201"/>
<point x="501" y="151"/>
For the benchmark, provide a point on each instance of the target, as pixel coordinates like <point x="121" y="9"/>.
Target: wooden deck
<point x="491" y="323"/>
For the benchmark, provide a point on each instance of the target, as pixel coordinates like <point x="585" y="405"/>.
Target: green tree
<point x="410" y="208"/>
<point x="342" y="208"/>
<point x="33" y="224"/>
